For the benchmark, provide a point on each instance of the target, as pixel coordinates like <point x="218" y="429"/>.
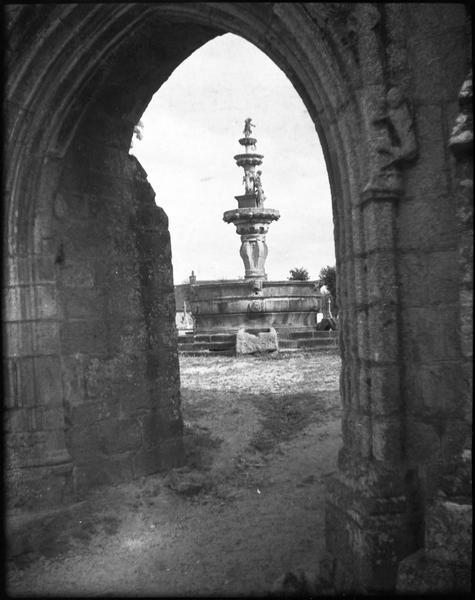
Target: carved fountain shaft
<point x="251" y="218"/>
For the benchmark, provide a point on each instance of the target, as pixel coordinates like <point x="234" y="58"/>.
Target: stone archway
<point x="92" y="373"/>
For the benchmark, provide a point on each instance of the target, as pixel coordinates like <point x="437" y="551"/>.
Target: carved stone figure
<point x="248" y="181"/>
<point x="462" y="132"/>
<point x="401" y="129"/>
<point x="398" y="143"/>
<point x="248" y="124"/>
<point x="258" y="191"/>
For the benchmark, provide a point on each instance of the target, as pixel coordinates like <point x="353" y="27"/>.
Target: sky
<point x="190" y="135"/>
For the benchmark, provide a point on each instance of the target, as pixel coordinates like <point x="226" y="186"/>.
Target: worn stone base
<point x="253" y="341"/>
<point x="422" y="573"/>
<point x="368" y="530"/>
<point x="444" y="564"/>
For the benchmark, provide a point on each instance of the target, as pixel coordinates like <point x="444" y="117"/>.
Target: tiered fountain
<point x="223" y="307"/>
<point x="252" y="220"/>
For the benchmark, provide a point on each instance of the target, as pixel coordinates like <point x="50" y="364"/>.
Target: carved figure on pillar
<point x="258" y="191"/>
<point x="400" y="143"/>
<point x="461" y="136"/>
<point x="248" y="181"/>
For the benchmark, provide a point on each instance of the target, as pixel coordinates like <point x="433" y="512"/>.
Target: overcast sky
<point x="190" y="136"/>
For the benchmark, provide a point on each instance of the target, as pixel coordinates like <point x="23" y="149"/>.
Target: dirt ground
<point x="262" y="433"/>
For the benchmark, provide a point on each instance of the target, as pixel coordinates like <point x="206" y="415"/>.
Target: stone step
<point x="215" y="337"/>
<point x="309" y="334"/>
<point x="216" y="346"/>
<point x="308" y="343"/>
<point x="313" y="342"/>
<point x="299" y="334"/>
<point x="287" y="344"/>
<point x="229" y="352"/>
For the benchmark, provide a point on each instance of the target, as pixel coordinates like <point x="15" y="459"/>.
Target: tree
<point x="299" y="274"/>
<point x="327" y="277"/>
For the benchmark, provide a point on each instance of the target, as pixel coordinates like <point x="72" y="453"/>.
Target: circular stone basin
<point x="248" y="141"/>
<point x="248" y="159"/>
<point x="228" y="305"/>
<point x="256" y="214"/>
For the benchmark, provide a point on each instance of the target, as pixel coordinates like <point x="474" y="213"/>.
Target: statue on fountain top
<point x="248" y="124"/>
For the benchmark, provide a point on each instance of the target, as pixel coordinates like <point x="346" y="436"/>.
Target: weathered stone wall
<point x="113" y="385"/>
<point x="381" y="84"/>
<point x="118" y="340"/>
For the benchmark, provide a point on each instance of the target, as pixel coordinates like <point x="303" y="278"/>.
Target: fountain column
<point x="251" y="219"/>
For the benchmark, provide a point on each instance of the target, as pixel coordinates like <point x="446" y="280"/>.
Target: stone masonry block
<point x="383" y="333"/>
<point x="386" y="440"/>
<point x="466" y="322"/>
<point x="382" y="283"/>
<point x="130" y="336"/>
<point x="84" y="303"/>
<point x="362" y="335"/>
<point x="28" y="303"/>
<point x="26" y="447"/>
<point x="430" y="130"/>
<point x="357" y="437"/>
<point x="127" y="302"/>
<point x="435" y="84"/>
<point x="10" y="383"/>
<point x="421" y="575"/>
<point x="117" y="436"/>
<point x="364" y="400"/>
<point x="74" y="384"/>
<point x="358" y="231"/>
<point x="435" y="389"/>
<point x="160" y="425"/>
<point x="85" y="239"/>
<point x="249" y="341"/>
<point x="85" y="415"/>
<point x="423" y="443"/>
<point x="428" y="278"/>
<point x="30" y="338"/>
<point x="21" y="382"/>
<point x="49" y="389"/>
<point x="41" y="418"/>
<point x="72" y="205"/>
<point x="456" y="433"/>
<point x="165" y="455"/>
<point x="83" y="336"/>
<point x="430" y="334"/>
<point x="465" y="258"/>
<point x="448" y="533"/>
<point x="76" y="273"/>
<point x="426" y="223"/>
<point x="30" y="270"/>
<point x="361" y="297"/>
<point x="378" y="226"/>
<point x="385" y="390"/>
